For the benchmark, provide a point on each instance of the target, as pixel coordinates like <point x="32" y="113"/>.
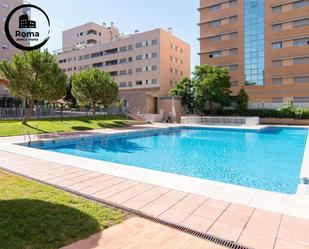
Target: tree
<point x="242" y="99"/>
<point x="34" y="75"/>
<point x="94" y="87"/>
<point x="67" y="100"/>
<point x="212" y="85"/>
<point x="185" y="89"/>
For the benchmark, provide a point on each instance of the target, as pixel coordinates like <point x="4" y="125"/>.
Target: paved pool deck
<point x="247" y="225"/>
<point x="137" y="233"/>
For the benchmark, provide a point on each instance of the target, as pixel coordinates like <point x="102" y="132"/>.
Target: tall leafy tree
<point x="212" y="85"/>
<point x="241" y="100"/>
<point x="34" y="75"/>
<point x="185" y="89"/>
<point x="94" y="87"/>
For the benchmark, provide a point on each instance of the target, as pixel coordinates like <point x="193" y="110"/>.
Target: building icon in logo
<point x="24" y="22"/>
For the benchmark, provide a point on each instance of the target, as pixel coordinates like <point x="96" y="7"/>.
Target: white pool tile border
<point x="296" y="205"/>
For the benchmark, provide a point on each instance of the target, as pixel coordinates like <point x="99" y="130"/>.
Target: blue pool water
<point x="269" y="159"/>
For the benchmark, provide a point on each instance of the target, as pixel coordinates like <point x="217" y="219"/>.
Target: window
<point x="234" y="83"/>
<point x="139" y="82"/>
<point x="277" y="45"/>
<point x="154" y="42"/>
<point x="301" y="23"/>
<point x="122" y="61"/>
<point x="301" y="42"/>
<point x="301" y="4"/>
<point x="171" y="70"/>
<point x="301" y="79"/>
<point x="123" y="49"/>
<point x="253" y="4"/>
<point x="97" y="54"/>
<point x="6" y="5"/>
<point x="154" y="68"/>
<point x="215" y="8"/>
<point x="215" y="38"/>
<point x="233" y="51"/>
<point x="277" y="81"/>
<point x="301" y="99"/>
<point x="181" y="61"/>
<point x="277" y="27"/>
<point x="70" y="59"/>
<point x="123" y="84"/>
<point x="139" y="70"/>
<point x="277" y="63"/>
<point x="171" y="58"/>
<point x="233" y="3"/>
<point x="130" y="47"/>
<point x="122" y="72"/>
<point x="111" y="63"/>
<point x="214" y="24"/>
<point x="233" y="67"/>
<point x="130" y="71"/>
<point x="154" y="81"/>
<point x="302" y="60"/>
<point x="277" y="100"/>
<point x="154" y="55"/>
<point x="233" y="35"/>
<point x="139" y="57"/>
<point x="233" y="19"/>
<point x="215" y="54"/>
<point x="100" y="64"/>
<point x="113" y="73"/>
<point x="130" y="59"/>
<point x="276" y="9"/>
<point x="139" y="45"/>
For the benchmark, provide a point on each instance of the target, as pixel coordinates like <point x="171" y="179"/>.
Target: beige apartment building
<point x="265" y="44"/>
<point x="146" y="65"/>
<point x="7" y="50"/>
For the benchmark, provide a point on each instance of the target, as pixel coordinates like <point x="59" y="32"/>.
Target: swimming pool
<point x="268" y="159"/>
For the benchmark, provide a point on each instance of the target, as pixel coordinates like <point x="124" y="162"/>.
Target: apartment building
<point x="265" y="45"/>
<point x="146" y="65"/>
<point x="7" y="50"/>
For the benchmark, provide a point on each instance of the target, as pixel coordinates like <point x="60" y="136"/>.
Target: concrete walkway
<point x="140" y="233"/>
<point x="248" y="226"/>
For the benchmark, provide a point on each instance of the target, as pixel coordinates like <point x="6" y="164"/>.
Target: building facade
<point x="7" y="50"/>
<point x="146" y="65"/>
<point x="264" y="44"/>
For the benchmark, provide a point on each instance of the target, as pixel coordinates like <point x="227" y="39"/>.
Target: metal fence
<point x="41" y="113"/>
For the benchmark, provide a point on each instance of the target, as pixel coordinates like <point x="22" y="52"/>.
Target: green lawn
<point x="37" y="216"/>
<point x="15" y="127"/>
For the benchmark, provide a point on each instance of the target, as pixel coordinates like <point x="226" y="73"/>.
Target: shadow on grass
<point x="37" y="224"/>
<point x="81" y="128"/>
<point x="35" y="128"/>
<point x="112" y="125"/>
